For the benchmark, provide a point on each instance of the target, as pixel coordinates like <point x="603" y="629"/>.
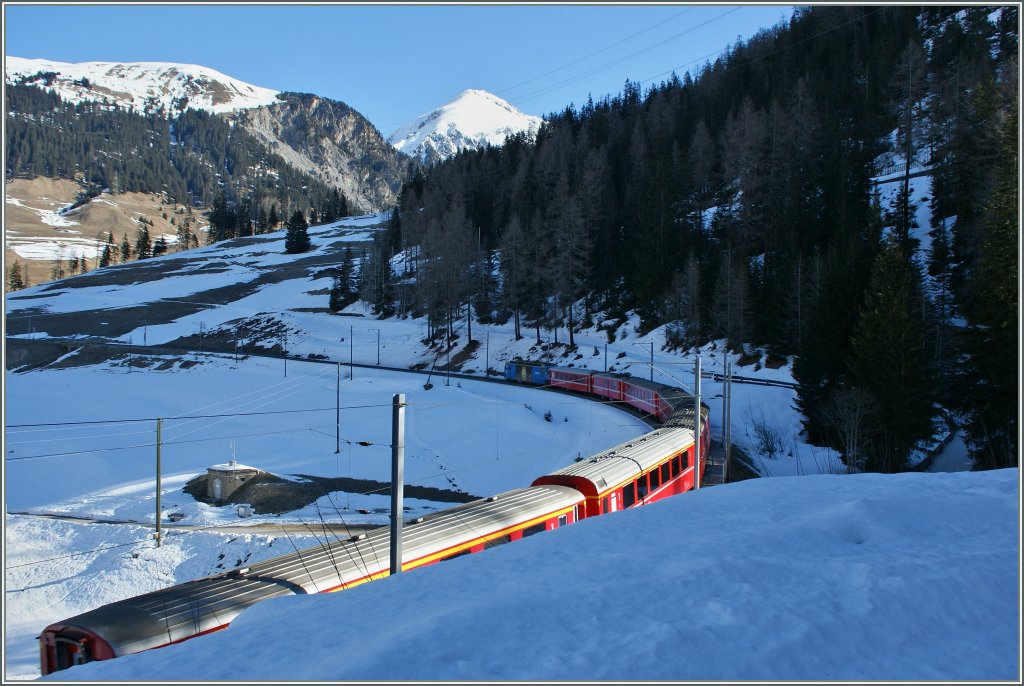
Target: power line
<point x="198" y="416"/>
<point x="549" y="89"/>
<point x="597" y="52"/>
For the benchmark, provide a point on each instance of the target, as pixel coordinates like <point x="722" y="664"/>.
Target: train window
<point x="604" y="505"/>
<point x="664" y="473"/>
<point x="563" y="520"/>
<point x="628" y="495"/>
<point x="655" y="477"/>
<point x="686" y="460"/>
<point x="641" y="486"/>
<point x="501" y="540"/>
<point x="452" y="557"/>
<point x="675" y="466"/>
<point x="535" y="529"/>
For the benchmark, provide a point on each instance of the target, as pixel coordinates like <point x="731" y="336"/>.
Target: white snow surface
<point x="868" y="577"/>
<point x="141" y="84"/>
<point x="783" y="578"/>
<point x="474" y="119"/>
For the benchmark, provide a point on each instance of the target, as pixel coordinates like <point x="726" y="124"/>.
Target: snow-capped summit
<point x="474" y="119"/>
<point x="140" y="85"/>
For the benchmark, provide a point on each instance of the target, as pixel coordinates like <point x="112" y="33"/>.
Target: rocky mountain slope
<point x="323" y="138"/>
<point x="332" y="142"/>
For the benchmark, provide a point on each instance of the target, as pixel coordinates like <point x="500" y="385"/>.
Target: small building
<point x="224" y="479"/>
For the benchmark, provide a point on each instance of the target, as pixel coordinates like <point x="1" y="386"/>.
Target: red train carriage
<point x="651" y="467"/>
<point x="570" y="379"/>
<point x="611" y="386"/>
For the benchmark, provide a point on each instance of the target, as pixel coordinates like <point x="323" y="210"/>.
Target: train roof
<point x="626" y="460"/>
<point x="186" y="610"/>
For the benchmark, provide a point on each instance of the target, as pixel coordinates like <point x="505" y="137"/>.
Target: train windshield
<point x="61" y="652"/>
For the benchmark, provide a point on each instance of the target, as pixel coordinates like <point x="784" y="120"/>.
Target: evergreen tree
<point x="184" y="231"/>
<point x="107" y="256"/>
<point x="142" y="244"/>
<point x="15" y="282"/>
<point x="890" y="359"/>
<point x="272" y="219"/>
<point x="126" y="249"/>
<point x="992" y="371"/>
<point x="297" y="237"/>
<point x="336" y="299"/>
<point x="159" y="246"/>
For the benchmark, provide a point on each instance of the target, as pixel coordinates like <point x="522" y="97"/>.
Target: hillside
<point x="38" y="235"/>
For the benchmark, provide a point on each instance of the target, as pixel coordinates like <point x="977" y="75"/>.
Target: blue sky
<point x="394" y="63"/>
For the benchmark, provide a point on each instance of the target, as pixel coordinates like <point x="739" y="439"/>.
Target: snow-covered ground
<point x="468" y="435"/>
<point x="910" y="577"/>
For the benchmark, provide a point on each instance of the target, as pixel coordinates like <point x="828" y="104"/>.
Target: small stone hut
<point x="224" y="479"/>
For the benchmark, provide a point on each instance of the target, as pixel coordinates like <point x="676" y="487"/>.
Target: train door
<point x="614" y="502"/>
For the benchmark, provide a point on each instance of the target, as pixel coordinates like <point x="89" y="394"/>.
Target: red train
<point x="645" y="469"/>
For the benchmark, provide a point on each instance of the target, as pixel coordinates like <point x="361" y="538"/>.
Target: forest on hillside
<point x="737" y="203"/>
<point x="191" y="157"/>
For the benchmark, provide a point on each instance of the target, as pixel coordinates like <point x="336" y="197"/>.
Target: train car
<point x="570" y="379"/>
<point x="611" y="386"/>
<point x="648" y="468"/>
<point x="206" y="605"/>
<point x="527" y="372"/>
<point x="653" y="398"/>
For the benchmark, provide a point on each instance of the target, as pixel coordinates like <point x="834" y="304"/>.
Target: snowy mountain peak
<point x="140" y="85"/>
<point x="474" y="119"/>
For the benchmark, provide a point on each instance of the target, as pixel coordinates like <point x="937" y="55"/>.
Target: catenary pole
<point x="159" y="421"/>
<point x="696" y="425"/>
<point x="397" y="479"/>
<point x="337" y="414"/>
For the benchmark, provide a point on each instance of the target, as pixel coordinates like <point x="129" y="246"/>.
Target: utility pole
<point x="284" y="352"/>
<point x="606" y="357"/>
<point x="448" y="363"/>
<point x="351" y="336"/>
<point x="652" y="357"/>
<point x="397" y="479"/>
<point x="728" y="417"/>
<point x="129" y="354"/>
<point x="696" y="425"/>
<point x="337" y="414"/>
<point x="487" y="358"/>
<point x="378" y="345"/>
<point x="159" y="421"/>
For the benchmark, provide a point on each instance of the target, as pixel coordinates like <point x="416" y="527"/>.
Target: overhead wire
<point x="596" y="52"/>
<point x="596" y="70"/>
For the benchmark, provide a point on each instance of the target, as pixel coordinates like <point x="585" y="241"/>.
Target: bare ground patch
<point x="270" y="494"/>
